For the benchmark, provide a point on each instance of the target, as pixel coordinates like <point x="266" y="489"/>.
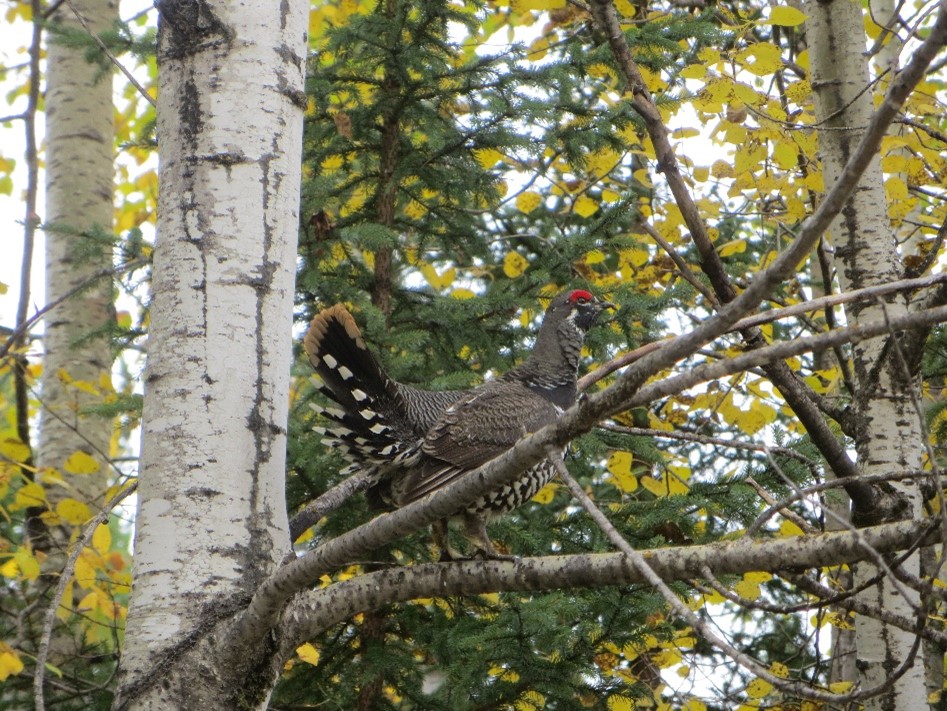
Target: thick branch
<point x="319" y="609"/>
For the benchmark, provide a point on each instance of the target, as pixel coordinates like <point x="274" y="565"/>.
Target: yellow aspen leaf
<point x="610" y="196"/>
<point x="331" y="164"/>
<point x="779" y="669"/>
<point x="626" y="8"/>
<point x="747" y="589"/>
<point x="758" y="576"/>
<point x="81" y="463"/>
<point x="102" y="539"/>
<point x="694" y="71"/>
<point x="10" y="569"/>
<point x="546" y="494"/>
<point x="594" y="256"/>
<point x="785" y="154"/>
<point x="666" y="658"/>
<point x="462" y="294"/>
<point x="415" y="210"/>
<point x="14" y="449"/>
<point x="788" y="528"/>
<point x="896" y="189"/>
<point x="85" y="570"/>
<point x="308" y="654"/>
<point x="722" y="169"/>
<point x="619" y="466"/>
<point x="694" y="705"/>
<point x="785" y="16"/>
<point x="514" y="264"/>
<point x="510" y="676"/>
<point x="31" y="494"/>
<point x="488" y="157"/>
<point x="761" y="58"/>
<point x="528" y="201"/>
<point x="585" y="206"/>
<point x="10" y="663"/>
<point x="27" y="563"/>
<point x="530" y="700"/>
<point x="735" y="246"/>
<point x="656" y="487"/>
<point x="758" y="688"/>
<point x="63" y="612"/>
<point x="617" y="702"/>
<point x="840" y="687"/>
<point x="438" y="281"/>
<point x="73" y="512"/>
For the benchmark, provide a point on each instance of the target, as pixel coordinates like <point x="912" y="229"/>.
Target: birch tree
<point x="211" y="523"/>
<point x="80" y="137"/>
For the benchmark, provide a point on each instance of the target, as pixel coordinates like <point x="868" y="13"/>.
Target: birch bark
<point x="889" y="438"/>
<point x="212" y="521"/>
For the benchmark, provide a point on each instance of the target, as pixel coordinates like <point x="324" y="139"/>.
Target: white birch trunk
<point x="80" y="139"/>
<point x="890" y="438"/>
<point x="212" y="515"/>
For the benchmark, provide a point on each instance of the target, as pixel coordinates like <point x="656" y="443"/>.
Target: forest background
<point x="760" y="191"/>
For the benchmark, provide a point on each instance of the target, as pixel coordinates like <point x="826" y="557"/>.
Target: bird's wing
<point x="473" y="431"/>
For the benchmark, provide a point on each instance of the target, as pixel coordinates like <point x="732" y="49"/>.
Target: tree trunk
<point x="80" y="137"/>
<point x="889" y="437"/>
<point x="212" y="514"/>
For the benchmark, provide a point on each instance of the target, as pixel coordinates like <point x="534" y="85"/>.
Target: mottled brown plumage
<point x="415" y="441"/>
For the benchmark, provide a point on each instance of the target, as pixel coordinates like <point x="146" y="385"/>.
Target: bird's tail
<point x="352" y="378"/>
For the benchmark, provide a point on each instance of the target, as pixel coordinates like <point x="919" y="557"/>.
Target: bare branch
<point x="65" y="575"/>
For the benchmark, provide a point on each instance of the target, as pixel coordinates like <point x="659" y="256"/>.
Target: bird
<point x="411" y="441"/>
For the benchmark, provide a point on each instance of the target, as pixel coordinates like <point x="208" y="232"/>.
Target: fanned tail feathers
<point x="365" y="430"/>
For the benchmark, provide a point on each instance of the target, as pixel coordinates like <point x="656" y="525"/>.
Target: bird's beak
<point x="601" y="304"/>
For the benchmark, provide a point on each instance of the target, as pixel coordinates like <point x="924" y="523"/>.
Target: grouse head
<point x="578" y="307"/>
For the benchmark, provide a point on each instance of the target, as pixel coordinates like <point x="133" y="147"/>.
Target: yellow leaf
<point x="585" y="206"/>
<point x="10" y="569"/>
<point x="13" y="448"/>
<point x="10" y="663"/>
<point x="732" y="247"/>
<point x="528" y="201"/>
<point x="462" y="294"/>
<point x="761" y="58"/>
<point x="658" y="488"/>
<point x="84" y="571"/>
<point x="27" y="563"/>
<point x="758" y="688"/>
<point x="747" y="589"/>
<point x="488" y="157"/>
<point x="840" y="687"/>
<point x="779" y="669"/>
<point x="308" y="654"/>
<point x="31" y="494"/>
<point x="619" y="466"/>
<point x="619" y="703"/>
<point x="785" y="154"/>
<point x="102" y="539"/>
<point x="514" y="264"/>
<point x="785" y="16"/>
<point x="81" y="463"/>
<point x="788" y="528"/>
<point x="73" y="512"/>
<point x="546" y="494"/>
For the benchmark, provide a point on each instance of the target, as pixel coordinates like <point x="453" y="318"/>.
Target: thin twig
<point x="108" y="53"/>
<point x="688" y="615"/>
<point x="65" y="575"/>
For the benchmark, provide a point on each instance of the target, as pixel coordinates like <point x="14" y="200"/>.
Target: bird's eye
<point x="582" y="300"/>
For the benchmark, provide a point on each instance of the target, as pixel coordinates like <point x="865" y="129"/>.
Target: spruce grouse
<point x="415" y="441"/>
